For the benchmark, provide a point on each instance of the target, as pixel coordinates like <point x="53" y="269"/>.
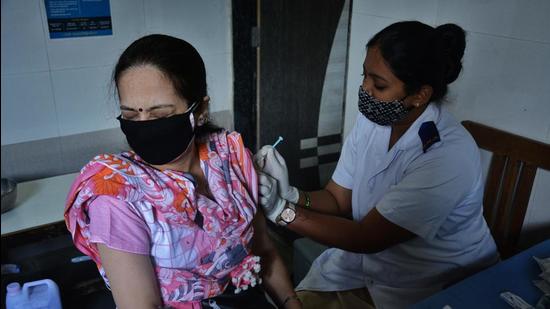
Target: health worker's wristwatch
<point x="287" y="215"/>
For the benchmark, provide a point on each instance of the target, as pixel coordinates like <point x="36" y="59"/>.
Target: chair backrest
<point x="509" y="181"/>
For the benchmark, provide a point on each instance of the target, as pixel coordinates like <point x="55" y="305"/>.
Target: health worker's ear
<point x="421" y="97"/>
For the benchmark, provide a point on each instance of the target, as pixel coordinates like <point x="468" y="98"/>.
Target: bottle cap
<point x="13" y="288"/>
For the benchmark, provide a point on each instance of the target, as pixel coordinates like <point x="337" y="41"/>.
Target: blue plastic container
<point x="41" y="294"/>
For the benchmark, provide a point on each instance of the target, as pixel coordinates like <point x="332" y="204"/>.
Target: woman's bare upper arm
<point x="132" y="278"/>
<point x="341" y="195"/>
<point x="261" y="243"/>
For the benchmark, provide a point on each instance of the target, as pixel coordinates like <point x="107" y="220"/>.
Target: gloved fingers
<point x="267" y="203"/>
<point x="267" y="180"/>
<point x="268" y="191"/>
<point x="264" y="201"/>
<point x="259" y="157"/>
<point x="265" y="190"/>
<point x="259" y="160"/>
<point x="264" y="150"/>
<point x="271" y="162"/>
<point x="259" y="163"/>
<point x="279" y="158"/>
<point x="268" y="186"/>
<point x="275" y="158"/>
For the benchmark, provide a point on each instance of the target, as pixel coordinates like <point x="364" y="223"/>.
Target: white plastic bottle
<point x="41" y="294"/>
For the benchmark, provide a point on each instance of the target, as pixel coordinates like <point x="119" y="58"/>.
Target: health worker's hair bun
<point x="450" y="42"/>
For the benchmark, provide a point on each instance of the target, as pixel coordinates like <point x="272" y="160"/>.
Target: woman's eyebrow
<point x="126" y="108"/>
<point x="374" y="75"/>
<point x="160" y="106"/>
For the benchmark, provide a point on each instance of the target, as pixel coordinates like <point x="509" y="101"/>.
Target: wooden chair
<point x="508" y="185"/>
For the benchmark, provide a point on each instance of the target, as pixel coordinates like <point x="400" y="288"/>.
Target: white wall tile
<point x="422" y="10"/>
<point x="128" y="24"/>
<point x="81" y="67"/>
<point x="504" y="84"/>
<point x="219" y="77"/>
<point x="526" y="20"/>
<point x="23" y="46"/>
<point x="223" y="119"/>
<point x="28" y="110"/>
<point x="84" y="100"/>
<point x="205" y="24"/>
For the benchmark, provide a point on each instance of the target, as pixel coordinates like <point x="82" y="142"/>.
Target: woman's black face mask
<point x="384" y="113"/>
<point x="160" y="141"/>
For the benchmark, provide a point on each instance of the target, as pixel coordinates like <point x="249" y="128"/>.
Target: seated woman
<point x="174" y="221"/>
<point x="403" y="211"/>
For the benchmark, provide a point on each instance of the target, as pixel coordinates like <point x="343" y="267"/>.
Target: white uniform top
<point x="435" y="194"/>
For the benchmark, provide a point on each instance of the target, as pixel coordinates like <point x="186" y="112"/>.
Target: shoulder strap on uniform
<point x="429" y="135"/>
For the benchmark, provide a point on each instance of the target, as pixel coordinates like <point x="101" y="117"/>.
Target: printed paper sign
<point x="78" y="18"/>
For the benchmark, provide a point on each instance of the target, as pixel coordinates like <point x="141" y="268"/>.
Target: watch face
<point x="288" y="215"/>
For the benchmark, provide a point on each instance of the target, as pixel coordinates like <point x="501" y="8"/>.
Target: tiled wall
<point x="52" y="89"/>
<point x="505" y="79"/>
<point x="332" y="98"/>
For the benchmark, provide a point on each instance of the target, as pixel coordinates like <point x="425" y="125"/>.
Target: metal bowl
<point x="9" y="194"/>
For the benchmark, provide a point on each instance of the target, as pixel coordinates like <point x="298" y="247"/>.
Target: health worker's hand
<point x="270" y="200"/>
<point x="273" y="164"/>
<point x="259" y="160"/>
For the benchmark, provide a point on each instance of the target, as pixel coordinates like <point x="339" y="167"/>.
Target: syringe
<point x="280" y="139"/>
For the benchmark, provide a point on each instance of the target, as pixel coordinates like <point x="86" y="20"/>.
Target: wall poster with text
<point x="78" y="18"/>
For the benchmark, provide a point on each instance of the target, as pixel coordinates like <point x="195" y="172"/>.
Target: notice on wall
<point x="78" y="18"/>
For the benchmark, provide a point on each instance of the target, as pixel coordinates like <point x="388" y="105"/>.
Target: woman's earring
<point x="202" y="120"/>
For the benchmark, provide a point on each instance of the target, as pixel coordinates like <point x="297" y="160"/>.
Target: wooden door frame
<point x="244" y="16"/>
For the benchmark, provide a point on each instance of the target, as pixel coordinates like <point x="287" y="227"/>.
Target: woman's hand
<point x="273" y="164"/>
<point x="276" y="279"/>
<point x="293" y="303"/>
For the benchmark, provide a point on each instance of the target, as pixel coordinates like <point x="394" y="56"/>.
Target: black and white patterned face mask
<point x="381" y="112"/>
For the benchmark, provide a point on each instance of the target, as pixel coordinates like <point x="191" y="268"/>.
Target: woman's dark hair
<point x="178" y="60"/>
<point x="419" y="54"/>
